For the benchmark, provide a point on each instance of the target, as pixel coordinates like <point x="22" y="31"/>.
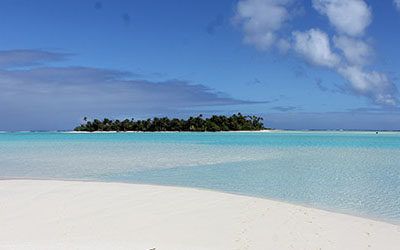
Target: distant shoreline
<point x="170" y="132"/>
<point x="209" y="132"/>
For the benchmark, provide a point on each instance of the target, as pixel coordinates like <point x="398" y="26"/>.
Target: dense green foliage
<point x="235" y="122"/>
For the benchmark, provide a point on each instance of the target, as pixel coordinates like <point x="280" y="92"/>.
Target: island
<point x="215" y="123"/>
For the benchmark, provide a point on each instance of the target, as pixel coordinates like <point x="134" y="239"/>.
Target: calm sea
<point x="349" y="172"/>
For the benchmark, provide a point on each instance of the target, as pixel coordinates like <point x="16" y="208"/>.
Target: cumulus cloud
<point x="261" y="19"/>
<point x="262" y="22"/>
<point x="373" y="84"/>
<point x="356" y="51"/>
<point x="350" y="17"/>
<point x="314" y="45"/>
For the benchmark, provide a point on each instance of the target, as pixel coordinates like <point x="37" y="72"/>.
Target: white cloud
<point x="350" y="17"/>
<point x="262" y="22"/>
<point x="261" y="19"/>
<point x="314" y="45"/>
<point x="373" y="84"/>
<point x="397" y="4"/>
<point x="356" y="51"/>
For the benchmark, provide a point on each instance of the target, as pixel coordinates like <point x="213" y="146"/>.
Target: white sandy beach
<point x="37" y="214"/>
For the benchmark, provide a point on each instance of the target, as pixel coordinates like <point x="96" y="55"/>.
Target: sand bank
<point x="36" y="214"/>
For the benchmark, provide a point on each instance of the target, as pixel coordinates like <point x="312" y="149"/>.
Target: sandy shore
<point x="37" y="214"/>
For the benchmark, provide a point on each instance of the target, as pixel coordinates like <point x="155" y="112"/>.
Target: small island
<point x="215" y="123"/>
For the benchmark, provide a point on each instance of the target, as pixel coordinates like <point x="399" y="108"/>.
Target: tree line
<point x="236" y="122"/>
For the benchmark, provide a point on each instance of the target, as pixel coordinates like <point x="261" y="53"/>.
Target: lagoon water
<point x="349" y="172"/>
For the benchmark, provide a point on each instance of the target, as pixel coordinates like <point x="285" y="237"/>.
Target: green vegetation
<point x="236" y="122"/>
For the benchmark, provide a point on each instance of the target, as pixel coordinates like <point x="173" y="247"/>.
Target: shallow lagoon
<point x="349" y="172"/>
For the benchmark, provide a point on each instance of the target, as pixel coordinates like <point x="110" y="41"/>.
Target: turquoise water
<point x="349" y="172"/>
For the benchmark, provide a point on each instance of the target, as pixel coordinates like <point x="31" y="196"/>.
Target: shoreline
<point x="41" y="213"/>
<point x="305" y="205"/>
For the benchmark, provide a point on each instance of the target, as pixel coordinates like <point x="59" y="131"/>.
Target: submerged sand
<point x="37" y="214"/>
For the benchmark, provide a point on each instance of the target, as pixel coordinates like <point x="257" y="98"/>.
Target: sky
<point x="300" y="64"/>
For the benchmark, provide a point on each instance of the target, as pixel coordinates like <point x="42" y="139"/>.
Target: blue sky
<point x="318" y="64"/>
